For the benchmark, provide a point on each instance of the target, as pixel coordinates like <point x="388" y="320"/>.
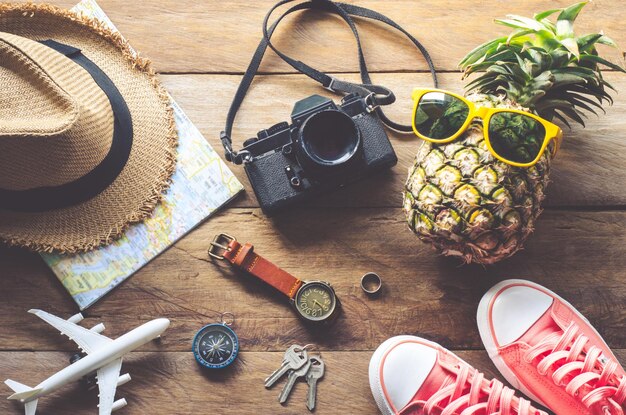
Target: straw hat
<point x="87" y="134"/>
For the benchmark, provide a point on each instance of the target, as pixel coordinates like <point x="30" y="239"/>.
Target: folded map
<point x="201" y="184"/>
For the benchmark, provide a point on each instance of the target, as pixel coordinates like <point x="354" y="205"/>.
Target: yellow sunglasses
<point x="518" y="138"/>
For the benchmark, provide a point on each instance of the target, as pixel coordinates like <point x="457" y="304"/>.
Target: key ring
<point x="307" y="347"/>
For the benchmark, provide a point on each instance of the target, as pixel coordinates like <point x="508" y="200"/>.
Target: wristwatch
<point x="314" y="301"/>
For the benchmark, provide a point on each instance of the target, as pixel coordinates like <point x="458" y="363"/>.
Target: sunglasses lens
<point x="439" y="116"/>
<point x="516" y="137"/>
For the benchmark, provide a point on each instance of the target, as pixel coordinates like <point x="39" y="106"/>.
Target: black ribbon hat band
<point x="43" y="199"/>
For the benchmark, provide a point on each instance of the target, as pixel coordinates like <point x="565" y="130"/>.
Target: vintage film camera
<point x="325" y="147"/>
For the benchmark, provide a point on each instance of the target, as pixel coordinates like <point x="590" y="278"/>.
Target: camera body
<point x="325" y="147"/>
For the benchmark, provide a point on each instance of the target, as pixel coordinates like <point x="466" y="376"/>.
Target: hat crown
<point x="33" y="104"/>
<point x="56" y="124"/>
<point x="127" y="111"/>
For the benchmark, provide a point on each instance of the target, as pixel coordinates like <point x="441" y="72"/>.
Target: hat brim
<point x="139" y="187"/>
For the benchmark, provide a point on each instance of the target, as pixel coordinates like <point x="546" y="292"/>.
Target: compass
<point x="216" y="345"/>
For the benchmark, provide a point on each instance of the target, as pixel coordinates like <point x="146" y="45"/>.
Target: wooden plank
<point x="577" y="254"/>
<point x="168" y="383"/>
<point x="220" y="36"/>
<point x="587" y="172"/>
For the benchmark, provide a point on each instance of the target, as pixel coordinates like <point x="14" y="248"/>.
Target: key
<point x="291" y="381"/>
<point x="315" y="373"/>
<point x="295" y="358"/>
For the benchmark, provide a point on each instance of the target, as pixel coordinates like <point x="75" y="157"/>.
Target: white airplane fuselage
<point x="99" y="358"/>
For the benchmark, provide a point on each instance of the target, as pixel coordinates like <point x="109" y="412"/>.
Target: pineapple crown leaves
<point x="543" y="66"/>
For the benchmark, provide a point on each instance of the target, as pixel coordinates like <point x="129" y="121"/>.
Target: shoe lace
<point x="468" y="393"/>
<point x="579" y="371"/>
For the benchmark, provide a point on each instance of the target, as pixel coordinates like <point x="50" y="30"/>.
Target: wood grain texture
<point x="177" y="384"/>
<point x="220" y="36"/>
<point x="577" y="254"/>
<point x="588" y="171"/>
<point x="174" y="383"/>
<point x="201" y="48"/>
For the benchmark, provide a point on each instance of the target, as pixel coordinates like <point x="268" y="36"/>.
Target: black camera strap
<point x="375" y="95"/>
<point x="345" y="10"/>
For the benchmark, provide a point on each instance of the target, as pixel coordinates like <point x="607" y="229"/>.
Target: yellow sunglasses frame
<point x="553" y="131"/>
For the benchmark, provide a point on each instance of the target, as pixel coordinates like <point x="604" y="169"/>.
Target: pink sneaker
<point x="412" y="376"/>
<point x="549" y="351"/>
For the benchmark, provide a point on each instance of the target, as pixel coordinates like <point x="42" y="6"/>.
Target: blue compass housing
<point x="215" y="346"/>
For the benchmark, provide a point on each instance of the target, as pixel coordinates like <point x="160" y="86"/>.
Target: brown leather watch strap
<point x="244" y="257"/>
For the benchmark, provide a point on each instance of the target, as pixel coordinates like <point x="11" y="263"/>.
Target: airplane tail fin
<point x="22" y="392"/>
<point x="30" y="407"/>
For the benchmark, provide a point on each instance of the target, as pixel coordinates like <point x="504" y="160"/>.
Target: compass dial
<point x="215" y="346"/>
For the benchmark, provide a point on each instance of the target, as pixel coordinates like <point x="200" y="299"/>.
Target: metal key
<point x="295" y="357"/>
<point x="291" y="381"/>
<point x="315" y="373"/>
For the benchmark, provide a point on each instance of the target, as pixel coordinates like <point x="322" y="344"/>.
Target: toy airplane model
<point x="104" y="356"/>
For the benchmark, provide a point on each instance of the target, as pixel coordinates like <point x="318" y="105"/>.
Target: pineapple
<point x="458" y="196"/>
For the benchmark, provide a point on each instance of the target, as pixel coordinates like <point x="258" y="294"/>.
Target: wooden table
<point x="201" y="48"/>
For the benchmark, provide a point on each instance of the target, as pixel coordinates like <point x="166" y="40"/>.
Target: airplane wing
<point x="87" y="340"/>
<point x="107" y="382"/>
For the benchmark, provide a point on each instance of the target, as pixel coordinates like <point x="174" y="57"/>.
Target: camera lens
<point x="330" y="137"/>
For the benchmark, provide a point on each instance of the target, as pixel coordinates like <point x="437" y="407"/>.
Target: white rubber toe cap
<point x="406" y="362"/>
<point x="515" y="310"/>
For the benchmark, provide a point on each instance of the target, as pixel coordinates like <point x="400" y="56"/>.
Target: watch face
<point x="316" y="301"/>
<point x="215" y="346"/>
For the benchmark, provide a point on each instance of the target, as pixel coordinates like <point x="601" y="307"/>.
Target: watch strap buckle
<point x="219" y="246"/>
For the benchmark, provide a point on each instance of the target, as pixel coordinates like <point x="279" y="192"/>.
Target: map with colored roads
<point x="200" y="185"/>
